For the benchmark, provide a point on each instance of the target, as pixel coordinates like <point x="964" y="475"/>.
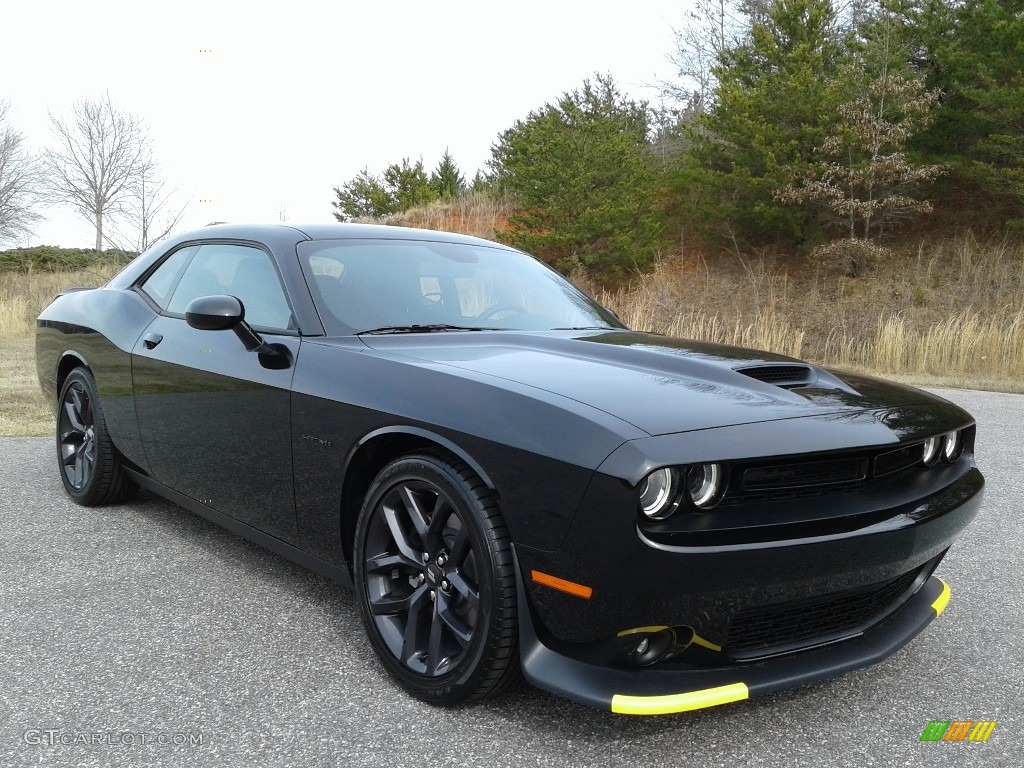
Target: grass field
<point x="952" y="311"/>
<point x="23" y="295"/>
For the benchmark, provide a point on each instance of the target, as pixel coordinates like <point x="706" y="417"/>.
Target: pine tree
<point x="402" y="186"/>
<point x="870" y="182"/>
<point x="408" y="185"/>
<point x="775" y="102"/>
<point x="585" y="180"/>
<point x="865" y="177"/>
<point x="363" y="197"/>
<point x="971" y="52"/>
<point x="447" y="180"/>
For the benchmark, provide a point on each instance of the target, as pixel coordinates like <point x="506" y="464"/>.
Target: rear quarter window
<point x="160" y="285"/>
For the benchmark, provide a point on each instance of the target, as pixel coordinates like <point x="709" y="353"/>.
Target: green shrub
<point x="50" y="258"/>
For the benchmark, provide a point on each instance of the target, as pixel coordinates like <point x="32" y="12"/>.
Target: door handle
<point x="150" y="340"/>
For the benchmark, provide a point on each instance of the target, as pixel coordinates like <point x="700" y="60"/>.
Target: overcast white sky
<point x="297" y="97"/>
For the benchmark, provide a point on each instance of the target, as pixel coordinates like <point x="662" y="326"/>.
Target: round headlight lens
<point x="931" y="450"/>
<point x="704" y="485"/>
<point x="952" y="446"/>
<point x="658" y="493"/>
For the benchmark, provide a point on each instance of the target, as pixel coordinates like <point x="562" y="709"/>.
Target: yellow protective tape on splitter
<point x="698" y="640"/>
<point x="942" y="600"/>
<point x="640" y="630"/>
<point x="678" y="702"/>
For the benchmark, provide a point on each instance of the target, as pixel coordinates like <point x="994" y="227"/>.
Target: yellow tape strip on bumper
<point x="678" y="702"/>
<point x="638" y="630"/>
<point x="942" y="600"/>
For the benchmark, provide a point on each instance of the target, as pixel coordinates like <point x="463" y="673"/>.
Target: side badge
<point x="317" y="440"/>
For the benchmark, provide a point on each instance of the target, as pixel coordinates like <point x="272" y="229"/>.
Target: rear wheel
<point x="89" y="464"/>
<point x="435" y="580"/>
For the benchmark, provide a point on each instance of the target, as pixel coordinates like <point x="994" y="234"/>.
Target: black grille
<point x="779" y="375"/>
<point x="798" y="477"/>
<point x="894" y="461"/>
<point x="787" y="494"/>
<point x="780" y="628"/>
<point x="805" y="474"/>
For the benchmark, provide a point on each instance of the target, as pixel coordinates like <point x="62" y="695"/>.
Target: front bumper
<point x="639" y="583"/>
<point x="660" y="629"/>
<point x="659" y="691"/>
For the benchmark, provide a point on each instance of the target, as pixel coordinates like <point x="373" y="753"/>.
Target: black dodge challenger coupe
<point x="508" y="477"/>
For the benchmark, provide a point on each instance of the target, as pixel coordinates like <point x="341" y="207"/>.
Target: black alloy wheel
<point x="90" y="467"/>
<point x="435" y="580"/>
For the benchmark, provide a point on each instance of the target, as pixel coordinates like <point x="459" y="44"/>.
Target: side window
<point x="160" y="284"/>
<point x="240" y="271"/>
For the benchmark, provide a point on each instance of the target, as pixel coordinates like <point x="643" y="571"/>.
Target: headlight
<point x="931" y="450"/>
<point x="952" y="446"/>
<point x="704" y="485"/>
<point x="658" y="493"/>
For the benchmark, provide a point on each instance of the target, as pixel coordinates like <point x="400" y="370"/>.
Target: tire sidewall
<point x="90" y="491"/>
<point x="456" y="684"/>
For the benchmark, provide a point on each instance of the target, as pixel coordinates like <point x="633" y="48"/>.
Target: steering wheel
<point x="490" y="312"/>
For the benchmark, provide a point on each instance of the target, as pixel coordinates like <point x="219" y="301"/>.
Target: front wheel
<point x="90" y="466"/>
<point x="435" y="581"/>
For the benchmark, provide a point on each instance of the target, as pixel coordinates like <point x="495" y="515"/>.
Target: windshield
<point x="408" y="286"/>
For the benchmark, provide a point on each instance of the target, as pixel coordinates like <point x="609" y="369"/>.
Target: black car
<point x="507" y="476"/>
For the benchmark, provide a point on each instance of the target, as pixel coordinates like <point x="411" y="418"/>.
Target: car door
<point x="214" y="418"/>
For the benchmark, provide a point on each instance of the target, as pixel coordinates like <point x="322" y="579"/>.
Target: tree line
<point x="100" y="163"/>
<point x="792" y="123"/>
<point x="401" y="186"/>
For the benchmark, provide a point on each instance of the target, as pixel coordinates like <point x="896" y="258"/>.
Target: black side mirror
<point x="223" y="313"/>
<point x="214" y="313"/>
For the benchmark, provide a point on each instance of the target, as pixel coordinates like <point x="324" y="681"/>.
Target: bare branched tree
<point x="20" y="182"/>
<point x="96" y="160"/>
<point x="866" y="177"/>
<point x="711" y="27"/>
<point x="871" y="184"/>
<point x="147" y="214"/>
<point x="714" y="27"/>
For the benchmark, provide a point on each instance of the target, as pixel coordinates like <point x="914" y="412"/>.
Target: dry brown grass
<point x="952" y="310"/>
<point x="473" y="214"/>
<point x="22" y="409"/>
<point x="22" y="297"/>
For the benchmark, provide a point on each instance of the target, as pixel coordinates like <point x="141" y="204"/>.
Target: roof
<point x="329" y="231"/>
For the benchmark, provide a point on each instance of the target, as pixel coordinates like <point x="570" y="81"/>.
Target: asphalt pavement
<point x="143" y="635"/>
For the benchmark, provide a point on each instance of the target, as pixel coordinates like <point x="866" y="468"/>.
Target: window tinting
<point x="161" y="283"/>
<point x="240" y="271"/>
<point x="361" y="285"/>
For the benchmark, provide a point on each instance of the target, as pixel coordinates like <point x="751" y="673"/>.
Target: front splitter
<point x="654" y="691"/>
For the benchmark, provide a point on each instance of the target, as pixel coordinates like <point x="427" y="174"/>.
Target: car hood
<point x="659" y="384"/>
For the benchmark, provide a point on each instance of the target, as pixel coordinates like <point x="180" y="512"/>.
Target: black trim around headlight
<point x="705" y="485"/>
<point x="952" y="446"/>
<point x="698" y="487"/>
<point x="659" y="493"/>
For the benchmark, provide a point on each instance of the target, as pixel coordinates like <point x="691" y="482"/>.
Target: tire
<point x="90" y="466"/>
<point x="435" y="580"/>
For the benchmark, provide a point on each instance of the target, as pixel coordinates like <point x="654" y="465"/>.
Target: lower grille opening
<point x="788" y="627"/>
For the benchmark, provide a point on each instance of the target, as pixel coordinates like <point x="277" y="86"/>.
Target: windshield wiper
<point x="424" y="329"/>
<point x="585" y="328"/>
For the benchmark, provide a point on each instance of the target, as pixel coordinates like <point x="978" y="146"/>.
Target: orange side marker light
<point x="570" y="587"/>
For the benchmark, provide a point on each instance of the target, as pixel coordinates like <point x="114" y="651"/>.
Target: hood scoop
<point x="785" y="375"/>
